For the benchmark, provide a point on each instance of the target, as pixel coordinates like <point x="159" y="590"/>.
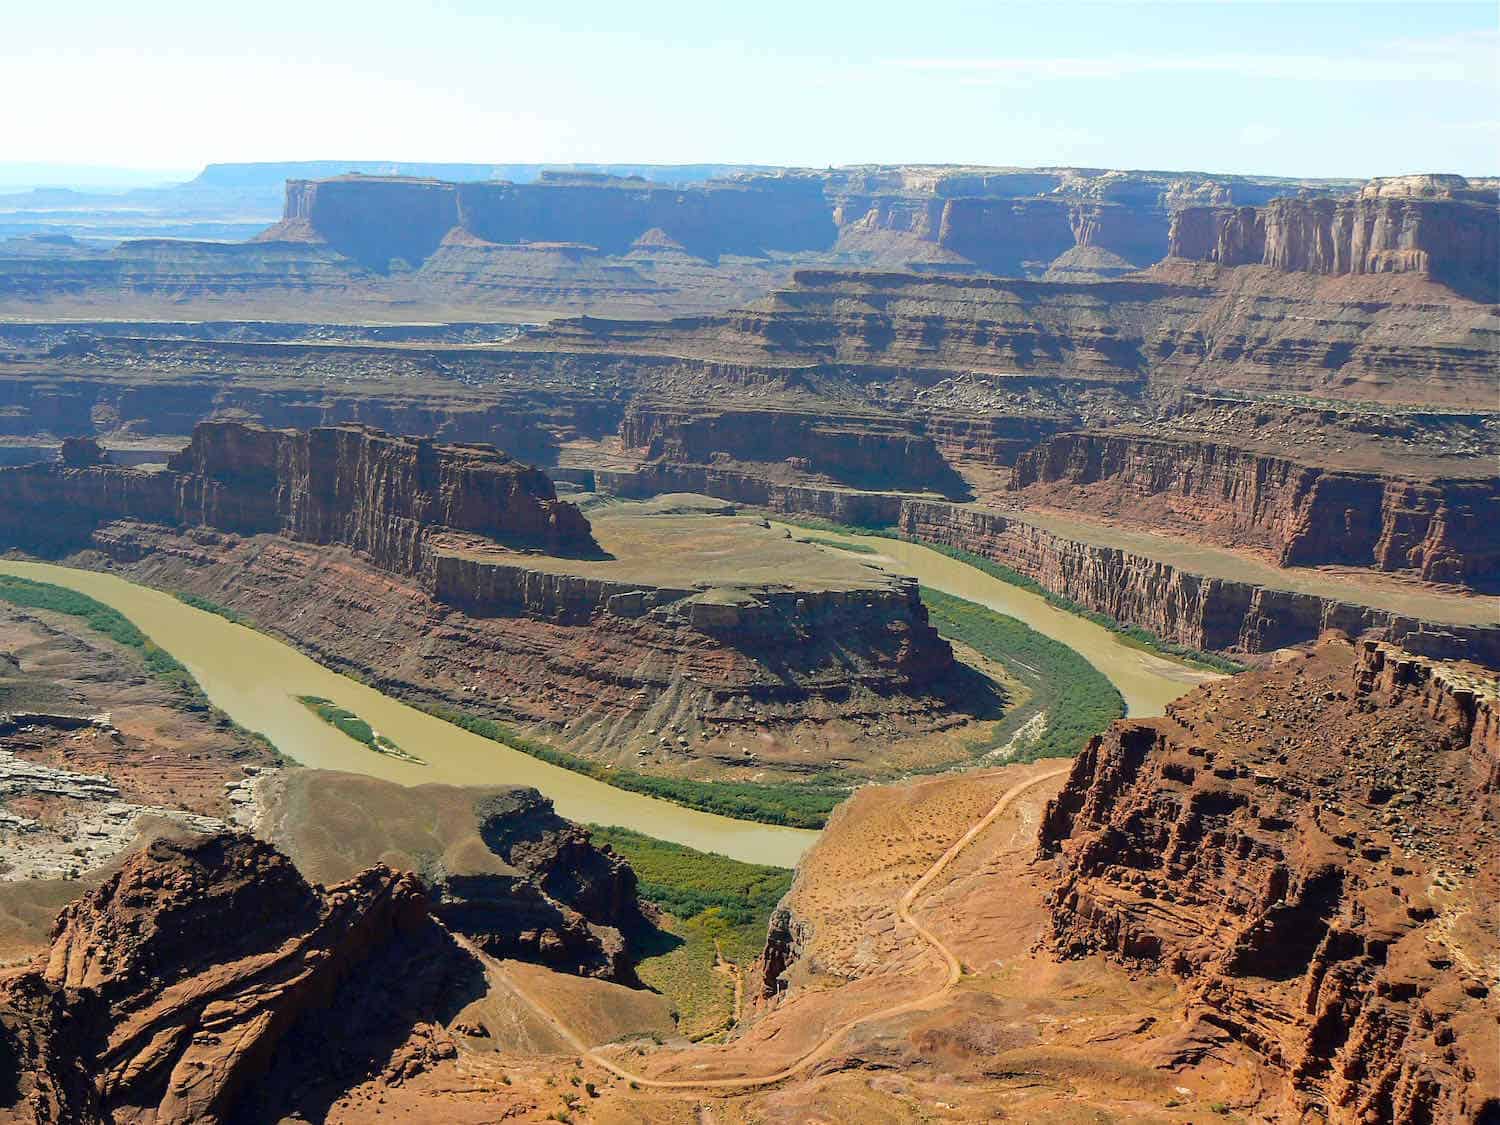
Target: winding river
<point x="255" y="679"/>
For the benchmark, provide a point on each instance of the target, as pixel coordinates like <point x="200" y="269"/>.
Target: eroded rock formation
<point x="1173" y="602"/>
<point x="273" y="522"/>
<point x="207" y="980"/>
<point x="1444" y="530"/>
<point x="168" y="990"/>
<point x="384" y="496"/>
<point x="1314" y="849"/>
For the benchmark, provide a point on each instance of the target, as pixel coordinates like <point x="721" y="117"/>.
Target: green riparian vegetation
<point x="209" y="606"/>
<point x="114" y="625"/>
<point x="717" y="907"/>
<point x="1078" y="700"/>
<point x="839" y="544"/>
<point x="1132" y="635"/>
<point x="341" y="718"/>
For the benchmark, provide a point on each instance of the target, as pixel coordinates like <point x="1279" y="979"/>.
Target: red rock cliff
<point x="384" y="496"/>
<point x="1444" y="530"/>
<point x="1315" y="850"/>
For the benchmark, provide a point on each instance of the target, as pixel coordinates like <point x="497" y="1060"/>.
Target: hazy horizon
<point x="1346" y="90"/>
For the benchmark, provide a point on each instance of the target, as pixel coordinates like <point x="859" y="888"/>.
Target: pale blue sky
<point x="1345" y="89"/>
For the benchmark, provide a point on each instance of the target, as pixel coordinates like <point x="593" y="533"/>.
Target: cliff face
<point x="1306" y="847"/>
<point x="381" y="220"/>
<point x="1443" y="530"/>
<point x="1190" y="609"/>
<point x="1255" y="331"/>
<point x="383" y="496"/>
<point x="1447" y="236"/>
<point x="1010" y="223"/>
<point x="864" y="450"/>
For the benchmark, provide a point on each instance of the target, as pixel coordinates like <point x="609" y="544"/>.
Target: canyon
<point x="1321" y="353"/>
<point x="529" y="455"/>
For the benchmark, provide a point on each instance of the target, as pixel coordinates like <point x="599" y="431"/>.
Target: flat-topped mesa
<point x="1014" y="222"/>
<point x="378" y="220"/>
<point x="1312" y="850"/>
<point x="391" y="498"/>
<point x="1443" y="530"/>
<point x="1434" y="226"/>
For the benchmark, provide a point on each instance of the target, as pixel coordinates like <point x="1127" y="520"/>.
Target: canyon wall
<point x="1212" y="614"/>
<point x="1011" y="223"/>
<point x="1178" y="327"/>
<point x="1280" y="842"/>
<point x="380" y="495"/>
<point x="1442" y="530"/>
<point x="379" y="220"/>
<point x="840" y="505"/>
<point x="866" y="450"/>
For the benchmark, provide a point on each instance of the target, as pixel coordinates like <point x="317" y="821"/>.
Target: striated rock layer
<point x="207" y="980"/>
<point x="1435" y="226"/>
<point x="1172" y="602"/>
<point x="383" y="496"/>
<point x="288" y="526"/>
<point x="1444" y="530"/>
<point x="1315" y="850"/>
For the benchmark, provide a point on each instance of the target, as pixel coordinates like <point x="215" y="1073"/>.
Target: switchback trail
<point x="903" y="910"/>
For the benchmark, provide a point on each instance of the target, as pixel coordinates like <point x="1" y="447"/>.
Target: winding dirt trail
<point x="824" y="1048"/>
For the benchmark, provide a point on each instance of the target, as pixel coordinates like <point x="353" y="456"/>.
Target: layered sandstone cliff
<point x="1432" y="226"/>
<point x="1180" y="326"/>
<point x="378" y="220"/>
<point x="387" y="497"/>
<point x="208" y="980"/>
<point x="168" y="991"/>
<point x="864" y="450"/>
<point x="1443" y="530"/>
<point x="1312" y="849"/>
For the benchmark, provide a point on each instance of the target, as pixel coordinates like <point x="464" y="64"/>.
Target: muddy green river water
<point x="255" y="679"/>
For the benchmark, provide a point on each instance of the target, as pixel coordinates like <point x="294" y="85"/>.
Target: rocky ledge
<point x="1314" y="850"/>
<point x="1208" y="613"/>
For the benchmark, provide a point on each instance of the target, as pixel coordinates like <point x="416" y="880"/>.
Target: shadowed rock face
<point x="1438" y="230"/>
<point x="1313" y="849"/>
